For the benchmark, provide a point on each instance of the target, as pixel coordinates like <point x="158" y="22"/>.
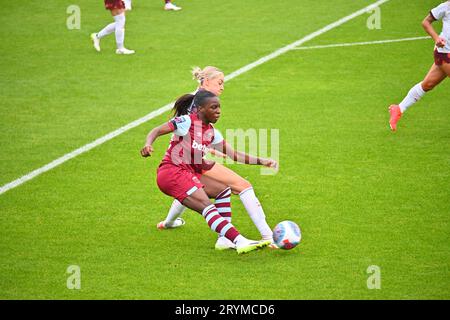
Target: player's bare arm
<point x="163" y="129"/>
<point x="243" y="157"/>
<point x="427" y="25"/>
<point x="217" y="153"/>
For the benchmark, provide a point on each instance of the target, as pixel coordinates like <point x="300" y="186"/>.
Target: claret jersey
<point x="190" y="142"/>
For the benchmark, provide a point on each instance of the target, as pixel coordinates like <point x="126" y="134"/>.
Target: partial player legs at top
<point x="117" y="8"/>
<point x="169" y="6"/>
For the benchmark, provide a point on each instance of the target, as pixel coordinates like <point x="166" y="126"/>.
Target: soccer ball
<point x="287" y="235"/>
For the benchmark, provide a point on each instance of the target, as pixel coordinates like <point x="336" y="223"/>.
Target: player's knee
<point x="240" y="186"/>
<point x="428" y="85"/>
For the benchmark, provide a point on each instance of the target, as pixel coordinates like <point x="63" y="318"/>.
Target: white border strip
<point x="168" y="106"/>
<point x="350" y="44"/>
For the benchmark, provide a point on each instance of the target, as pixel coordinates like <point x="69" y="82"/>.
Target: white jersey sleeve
<point x="442" y="12"/>
<point x="182" y="125"/>
<point x="218" y="138"/>
<point x="439" y="12"/>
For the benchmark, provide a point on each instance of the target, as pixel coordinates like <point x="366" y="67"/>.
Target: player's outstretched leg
<point x="256" y="213"/>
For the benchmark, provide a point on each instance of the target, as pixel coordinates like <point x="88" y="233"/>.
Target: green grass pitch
<point x="362" y="195"/>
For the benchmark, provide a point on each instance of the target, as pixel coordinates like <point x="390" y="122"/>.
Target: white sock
<point x="175" y="211"/>
<point x="120" y="29"/>
<point x="110" y="28"/>
<point x="240" y="238"/>
<point x="412" y="97"/>
<point x="256" y="212"/>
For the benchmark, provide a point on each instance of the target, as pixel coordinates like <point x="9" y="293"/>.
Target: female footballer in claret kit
<point x="212" y="79"/>
<point x="181" y="172"/>
<point x="117" y="8"/>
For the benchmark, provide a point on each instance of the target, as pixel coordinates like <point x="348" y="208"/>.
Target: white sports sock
<point x="120" y="30"/>
<point x="256" y="212"/>
<point x="175" y="211"/>
<point x="412" y="97"/>
<point x="110" y="28"/>
<point x="240" y="238"/>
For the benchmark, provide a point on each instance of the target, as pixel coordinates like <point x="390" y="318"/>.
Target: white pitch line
<point x="168" y="106"/>
<point x="350" y="44"/>
<point x="305" y="39"/>
<point x="84" y="148"/>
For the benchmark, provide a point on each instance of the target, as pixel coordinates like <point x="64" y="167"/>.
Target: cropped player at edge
<point x="180" y="173"/>
<point x="439" y="70"/>
<point x="212" y="79"/>
<point x="117" y="8"/>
